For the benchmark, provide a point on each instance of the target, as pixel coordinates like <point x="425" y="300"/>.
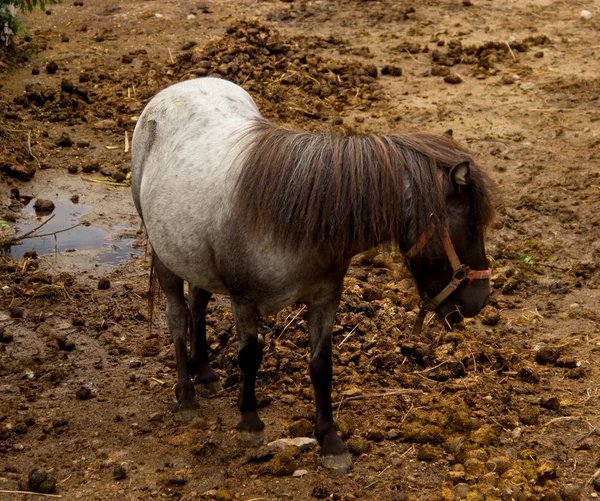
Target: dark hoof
<point x="203" y="371"/>
<point x="185" y="412"/>
<point x="337" y="462"/>
<point x="252" y="438"/>
<point x="210" y="389"/>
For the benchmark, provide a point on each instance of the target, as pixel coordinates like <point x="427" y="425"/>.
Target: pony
<point x="234" y="204"/>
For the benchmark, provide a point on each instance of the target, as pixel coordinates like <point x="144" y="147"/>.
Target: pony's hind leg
<point x="177" y="319"/>
<point x="246" y="316"/>
<point x="198" y="364"/>
<point x="321" y="316"/>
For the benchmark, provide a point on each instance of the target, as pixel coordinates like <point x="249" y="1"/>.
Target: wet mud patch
<point x="61" y="229"/>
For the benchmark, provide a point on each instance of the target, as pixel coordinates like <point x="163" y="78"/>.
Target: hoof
<point x="186" y="413"/>
<point x="209" y="389"/>
<point x="252" y="438"/>
<point x="337" y="462"/>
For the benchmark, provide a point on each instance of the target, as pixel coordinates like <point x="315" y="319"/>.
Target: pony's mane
<point x="349" y="193"/>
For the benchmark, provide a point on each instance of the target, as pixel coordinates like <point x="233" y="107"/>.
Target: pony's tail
<point x="153" y="288"/>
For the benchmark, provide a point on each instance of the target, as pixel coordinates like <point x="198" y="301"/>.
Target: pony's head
<point x="448" y="260"/>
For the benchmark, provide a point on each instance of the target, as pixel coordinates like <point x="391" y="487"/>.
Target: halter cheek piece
<point x="460" y="273"/>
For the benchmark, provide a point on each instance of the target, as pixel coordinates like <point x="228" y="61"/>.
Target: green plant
<point x="10" y="22"/>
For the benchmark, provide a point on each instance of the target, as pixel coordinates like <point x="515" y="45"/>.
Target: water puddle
<point x="84" y="237"/>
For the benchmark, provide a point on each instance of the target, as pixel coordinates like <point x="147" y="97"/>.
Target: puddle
<point x="107" y="249"/>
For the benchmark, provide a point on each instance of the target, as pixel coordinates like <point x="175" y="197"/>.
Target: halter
<point x="460" y="273"/>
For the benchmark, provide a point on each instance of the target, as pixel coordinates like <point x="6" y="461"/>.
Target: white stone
<point x="527" y="86"/>
<point x="303" y="443"/>
<point x="299" y="473"/>
<point x="158" y="15"/>
<point x="191" y="16"/>
<point x="586" y="15"/>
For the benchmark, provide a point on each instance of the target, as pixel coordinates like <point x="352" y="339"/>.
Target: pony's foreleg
<point x="198" y="364"/>
<point x="177" y="312"/>
<point x="321" y="316"/>
<point x="249" y="357"/>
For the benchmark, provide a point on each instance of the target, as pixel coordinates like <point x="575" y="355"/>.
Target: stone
<point x="52" y="67"/>
<point x="303" y="443"/>
<point x="570" y="492"/>
<point x="36" y="478"/>
<point x="299" y="473"/>
<point x="103" y="283"/>
<point x="64" y="141"/>
<point x="42" y="205"/>
<point x="547" y="355"/>
<point x="119" y="472"/>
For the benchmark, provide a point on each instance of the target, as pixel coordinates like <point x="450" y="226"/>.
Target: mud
<point x="505" y="406"/>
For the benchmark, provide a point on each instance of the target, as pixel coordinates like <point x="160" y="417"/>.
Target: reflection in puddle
<point x="66" y="214"/>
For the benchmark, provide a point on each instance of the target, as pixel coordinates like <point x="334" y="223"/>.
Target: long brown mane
<point x="349" y="193"/>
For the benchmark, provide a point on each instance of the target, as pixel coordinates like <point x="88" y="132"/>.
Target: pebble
<point x="99" y="37"/>
<point x="223" y="495"/>
<point x="570" y="492"/>
<point x="126" y="59"/>
<point x="461" y="490"/>
<point x="35" y="71"/>
<point x="6" y="336"/>
<point x="320" y="492"/>
<point x="103" y="284"/>
<point x="64" y="141"/>
<point x="52" y="67"/>
<point x="119" y="472"/>
<point x="586" y="15"/>
<point x="547" y="355"/>
<point x="84" y="393"/>
<point x="303" y="443"/>
<point x="391" y="70"/>
<point x="64" y="38"/>
<point x="299" y="473"/>
<point x="16" y="312"/>
<point x="453" y="78"/>
<point x="36" y="478"/>
<point x="550" y="403"/>
<point x="43" y="205"/>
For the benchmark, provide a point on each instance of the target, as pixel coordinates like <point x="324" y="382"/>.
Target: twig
<point x="171" y="56"/>
<point x="347" y="336"/>
<point x="384" y="470"/>
<point x="54" y="232"/>
<point x="126" y="142"/>
<point x="25" y="235"/>
<point x="568" y="418"/>
<point x="414" y="58"/>
<point x="390" y="393"/>
<point x="31" y="152"/>
<point x="511" y="51"/>
<point x="102" y="181"/>
<point x="290" y="322"/>
<point x="31" y="493"/>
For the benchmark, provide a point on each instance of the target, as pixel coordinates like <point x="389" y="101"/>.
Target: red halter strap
<point x="460" y="273"/>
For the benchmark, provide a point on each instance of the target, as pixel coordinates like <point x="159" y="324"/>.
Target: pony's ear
<point x="449" y="133"/>
<point x="461" y="174"/>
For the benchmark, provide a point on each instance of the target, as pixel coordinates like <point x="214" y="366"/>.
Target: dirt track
<point x="505" y="407"/>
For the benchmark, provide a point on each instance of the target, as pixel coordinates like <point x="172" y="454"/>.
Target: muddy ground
<point x="505" y="406"/>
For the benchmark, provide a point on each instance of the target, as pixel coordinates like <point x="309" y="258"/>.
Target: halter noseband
<point x="460" y="273"/>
